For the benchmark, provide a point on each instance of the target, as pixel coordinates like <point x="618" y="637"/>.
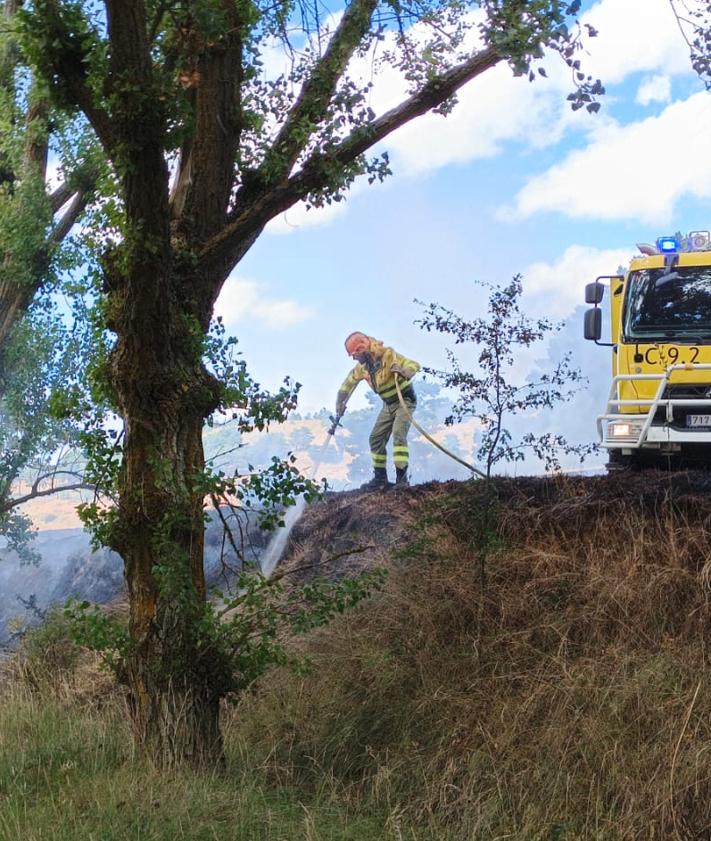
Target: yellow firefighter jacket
<point x="380" y="378"/>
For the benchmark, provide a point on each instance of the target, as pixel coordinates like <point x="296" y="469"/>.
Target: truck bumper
<point x="659" y="423"/>
<point x="654" y="437"/>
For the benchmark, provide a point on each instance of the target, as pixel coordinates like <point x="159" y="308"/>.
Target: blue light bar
<point x="667" y="245"/>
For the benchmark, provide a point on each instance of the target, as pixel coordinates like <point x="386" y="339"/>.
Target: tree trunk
<point x="13" y="304"/>
<point x="173" y="677"/>
<point x="164" y="394"/>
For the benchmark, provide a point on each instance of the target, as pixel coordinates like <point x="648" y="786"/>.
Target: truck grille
<point x="690" y="392"/>
<point x="684" y="391"/>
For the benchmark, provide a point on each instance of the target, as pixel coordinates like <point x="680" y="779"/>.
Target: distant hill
<point x="343" y="460"/>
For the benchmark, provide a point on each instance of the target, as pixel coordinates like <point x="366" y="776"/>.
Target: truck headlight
<point x="624" y="430"/>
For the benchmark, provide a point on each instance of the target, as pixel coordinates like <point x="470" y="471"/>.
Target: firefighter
<point x="379" y="366"/>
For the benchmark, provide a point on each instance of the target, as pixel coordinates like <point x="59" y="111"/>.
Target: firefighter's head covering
<point x="357" y="343"/>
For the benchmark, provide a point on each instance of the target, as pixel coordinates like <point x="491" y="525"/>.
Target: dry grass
<point x="48" y="664"/>
<point x="570" y="700"/>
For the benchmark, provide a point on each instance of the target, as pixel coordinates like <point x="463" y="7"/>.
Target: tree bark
<point x="174" y="696"/>
<point x="160" y="306"/>
<point x="174" y="680"/>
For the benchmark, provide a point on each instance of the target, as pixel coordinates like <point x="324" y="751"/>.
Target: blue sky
<point x="511" y="182"/>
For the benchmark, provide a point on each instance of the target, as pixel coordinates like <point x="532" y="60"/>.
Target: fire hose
<point x="429" y="437"/>
<point x="336" y="422"/>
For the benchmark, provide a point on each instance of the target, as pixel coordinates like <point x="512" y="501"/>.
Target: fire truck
<point x="658" y="410"/>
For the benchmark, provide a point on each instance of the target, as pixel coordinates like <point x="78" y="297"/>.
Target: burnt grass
<point x="352" y="530"/>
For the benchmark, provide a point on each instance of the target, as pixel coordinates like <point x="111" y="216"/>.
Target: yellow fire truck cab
<point x="659" y="405"/>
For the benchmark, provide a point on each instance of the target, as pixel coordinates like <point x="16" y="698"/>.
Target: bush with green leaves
<point x="239" y="635"/>
<point x="491" y="393"/>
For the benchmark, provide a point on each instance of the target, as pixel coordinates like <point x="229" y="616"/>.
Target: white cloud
<point x="492" y="110"/>
<point x="634" y="36"/>
<point x="241" y="299"/>
<point x="557" y="288"/>
<point x="637" y="171"/>
<point x="654" y="89"/>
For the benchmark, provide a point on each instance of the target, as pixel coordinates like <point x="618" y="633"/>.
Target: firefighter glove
<point x="403" y="372"/>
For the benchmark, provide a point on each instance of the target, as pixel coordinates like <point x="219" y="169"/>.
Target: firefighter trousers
<point x="391" y="420"/>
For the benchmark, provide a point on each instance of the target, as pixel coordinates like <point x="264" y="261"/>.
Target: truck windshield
<point x="663" y="304"/>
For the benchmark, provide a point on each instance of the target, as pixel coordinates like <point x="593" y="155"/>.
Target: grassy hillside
<point x="535" y="670"/>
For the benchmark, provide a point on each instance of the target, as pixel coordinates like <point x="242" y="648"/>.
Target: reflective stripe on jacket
<point x="384" y="385"/>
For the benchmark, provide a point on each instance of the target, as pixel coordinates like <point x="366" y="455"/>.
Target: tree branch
<point x="16" y="297"/>
<point x="157" y="18"/>
<point x="225" y="526"/>
<point x="82" y="181"/>
<point x="69" y="217"/>
<point x="317" y="93"/>
<point x="314" y="175"/>
<point x="130" y="49"/>
<point x="37" y="135"/>
<point x="21" y="500"/>
<point x="432" y="94"/>
<point x="67" y="58"/>
<point x="59" y="197"/>
<point x="181" y="182"/>
<point x="304" y="567"/>
<point x="35" y="492"/>
<point x="139" y="121"/>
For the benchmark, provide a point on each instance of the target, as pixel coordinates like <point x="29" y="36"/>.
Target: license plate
<point x="698" y="421"/>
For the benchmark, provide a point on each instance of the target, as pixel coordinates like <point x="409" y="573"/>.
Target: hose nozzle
<point x="335" y="422"/>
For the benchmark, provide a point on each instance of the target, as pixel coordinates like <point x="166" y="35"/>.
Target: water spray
<point x="277" y="544"/>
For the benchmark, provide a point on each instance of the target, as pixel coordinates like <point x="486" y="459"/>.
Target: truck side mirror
<point x="594" y="292"/>
<point x="593" y="324"/>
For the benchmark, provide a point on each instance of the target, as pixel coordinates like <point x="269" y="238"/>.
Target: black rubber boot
<point x="379" y="480"/>
<point x="401" y="479"/>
